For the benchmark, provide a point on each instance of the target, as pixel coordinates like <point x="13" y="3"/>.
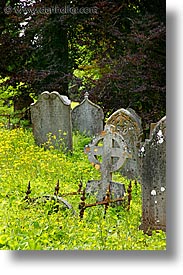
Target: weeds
<point x="25" y="226"/>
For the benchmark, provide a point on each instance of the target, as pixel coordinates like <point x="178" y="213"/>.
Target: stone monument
<point x="152" y="158"/>
<point x="109" y="145"/>
<point x="51" y="119"/>
<point x="87" y="117"/>
<point x="128" y="124"/>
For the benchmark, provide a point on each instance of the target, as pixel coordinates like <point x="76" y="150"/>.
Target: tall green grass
<point x="36" y="226"/>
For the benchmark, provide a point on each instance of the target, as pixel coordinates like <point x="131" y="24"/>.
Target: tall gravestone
<point x="128" y="124"/>
<point x="51" y="115"/>
<point x="153" y="179"/>
<point x="87" y="117"/>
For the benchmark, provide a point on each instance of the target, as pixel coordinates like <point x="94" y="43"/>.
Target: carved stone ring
<point x="111" y="146"/>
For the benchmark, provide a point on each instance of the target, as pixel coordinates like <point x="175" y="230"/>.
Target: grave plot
<point x="152" y="159"/>
<point x="51" y="115"/>
<point x="60" y="203"/>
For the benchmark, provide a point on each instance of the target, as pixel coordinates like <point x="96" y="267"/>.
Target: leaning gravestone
<point x="51" y="115"/>
<point x="87" y="117"/>
<point x="128" y="124"/>
<point x="153" y="179"/>
<point x="108" y="145"/>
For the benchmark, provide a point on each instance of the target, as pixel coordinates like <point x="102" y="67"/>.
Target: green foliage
<point x="117" y="54"/>
<point x="6" y="93"/>
<point x="36" y="226"/>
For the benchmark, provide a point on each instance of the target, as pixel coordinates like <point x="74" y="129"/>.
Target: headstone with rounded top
<point x="128" y="124"/>
<point x="51" y="120"/>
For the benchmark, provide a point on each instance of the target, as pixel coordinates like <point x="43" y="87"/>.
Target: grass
<point x="36" y="226"/>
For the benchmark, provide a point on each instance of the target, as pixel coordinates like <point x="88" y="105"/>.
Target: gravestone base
<point x="117" y="190"/>
<point x="148" y="227"/>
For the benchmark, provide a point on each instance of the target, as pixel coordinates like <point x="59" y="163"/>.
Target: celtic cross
<point x="107" y="153"/>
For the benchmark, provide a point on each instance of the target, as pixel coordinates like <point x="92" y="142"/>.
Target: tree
<point x="137" y="79"/>
<point x="33" y="47"/>
<point x="136" y="75"/>
<point x="118" y="52"/>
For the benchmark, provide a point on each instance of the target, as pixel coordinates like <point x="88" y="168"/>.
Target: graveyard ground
<point x="36" y="226"/>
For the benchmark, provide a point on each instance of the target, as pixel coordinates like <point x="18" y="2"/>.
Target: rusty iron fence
<point x="59" y="198"/>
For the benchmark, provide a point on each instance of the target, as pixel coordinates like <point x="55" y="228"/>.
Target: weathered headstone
<point x="128" y="124"/>
<point x="51" y="115"/>
<point x="109" y="145"/>
<point x="87" y="117"/>
<point x="152" y="158"/>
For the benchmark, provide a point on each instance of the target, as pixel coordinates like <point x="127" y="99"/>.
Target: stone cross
<point x="152" y="159"/>
<point x="107" y="146"/>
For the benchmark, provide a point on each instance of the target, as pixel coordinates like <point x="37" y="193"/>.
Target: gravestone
<point x="51" y="115"/>
<point x="108" y="145"/>
<point x="136" y="117"/>
<point x="128" y="124"/>
<point x="152" y="158"/>
<point x="87" y="117"/>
